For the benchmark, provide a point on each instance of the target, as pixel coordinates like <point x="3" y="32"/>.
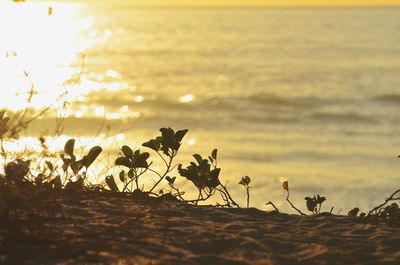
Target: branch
<point x="391" y="198"/>
<point x="273" y="205"/>
<point x="294" y="207"/>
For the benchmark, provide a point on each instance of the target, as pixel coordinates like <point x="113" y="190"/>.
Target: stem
<point x="273" y="205"/>
<point x="294" y="207"/>
<point x="248" y="196"/>
<point x="391" y="198"/>
<point x="229" y="196"/>
<point x="165" y="173"/>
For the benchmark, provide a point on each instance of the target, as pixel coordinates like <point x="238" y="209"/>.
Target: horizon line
<point x="214" y="6"/>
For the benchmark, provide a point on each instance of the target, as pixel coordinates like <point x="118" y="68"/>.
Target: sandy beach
<point x="106" y="228"/>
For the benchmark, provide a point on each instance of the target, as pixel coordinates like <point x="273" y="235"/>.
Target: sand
<point x="93" y="228"/>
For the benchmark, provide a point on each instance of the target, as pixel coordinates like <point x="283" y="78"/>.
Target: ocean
<point x="308" y="95"/>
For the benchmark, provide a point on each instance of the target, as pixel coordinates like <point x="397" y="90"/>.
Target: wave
<point x="388" y="98"/>
<point x="342" y="117"/>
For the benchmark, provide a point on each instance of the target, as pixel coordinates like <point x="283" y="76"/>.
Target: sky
<point x="240" y="2"/>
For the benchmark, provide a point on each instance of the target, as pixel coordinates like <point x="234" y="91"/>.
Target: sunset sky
<point x="241" y="2"/>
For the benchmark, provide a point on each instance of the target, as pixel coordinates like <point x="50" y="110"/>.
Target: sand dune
<point x="118" y="229"/>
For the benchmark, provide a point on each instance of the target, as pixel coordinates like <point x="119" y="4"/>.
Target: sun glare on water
<point x="42" y="60"/>
<point x="44" y="54"/>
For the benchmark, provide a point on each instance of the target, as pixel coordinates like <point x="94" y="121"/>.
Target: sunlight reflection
<point x="191" y="142"/>
<point x="45" y="55"/>
<point x="186" y="98"/>
<point x="139" y="99"/>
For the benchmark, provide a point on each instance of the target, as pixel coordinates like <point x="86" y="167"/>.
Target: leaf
<point x="320" y="199"/>
<point x="170" y="180"/>
<point x="214" y="154"/>
<point x="111" y="183"/>
<point x="130" y="173"/>
<point x="2" y="113"/>
<point x="69" y="147"/>
<point x="180" y="134"/>
<point x="123" y="161"/>
<point x="245" y="181"/>
<point x="198" y="158"/>
<point x="77" y="166"/>
<point x="214" y="180"/>
<point x="122" y="176"/>
<point x="353" y="212"/>
<point x="127" y="151"/>
<point x="56" y="183"/>
<point x="94" y="152"/>
<point x="153" y="144"/>
<point x="311" y="203"/>
<point x="50" y="165"/>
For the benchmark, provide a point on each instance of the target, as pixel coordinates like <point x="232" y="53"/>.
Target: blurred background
<point x="308" y="94"/>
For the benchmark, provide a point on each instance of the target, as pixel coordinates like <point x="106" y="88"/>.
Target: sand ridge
<point x="109" y="228"/>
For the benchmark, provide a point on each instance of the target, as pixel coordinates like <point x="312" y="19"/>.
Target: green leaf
<point x="111" y="183"/>
<point x="127" y="151"/>
<point x="214" y="154"/>
<point x="123" y="161"/>
<point x="69" y="147"/>
<point x="94" y="152"/>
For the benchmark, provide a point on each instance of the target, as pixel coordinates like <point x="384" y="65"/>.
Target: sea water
<point x="309" y="95"/>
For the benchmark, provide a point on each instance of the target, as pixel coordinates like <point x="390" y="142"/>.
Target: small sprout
<point x="314" y="204"/>
<point x="69" y="147"/>
<point x="137" y="164"/>
<point x="245" y="181"/>
<point x="170" y="180"/>
<point x="204" y="174"/>
<point x="94" y="152"/>
<point x="70" y="161"/>
<point x="391" y="213"/>
<point x="50" y="166"/>
<point x="353" y="212"/>
<point x="286" y="185"/>
<point x="169" y="142"/>
<point x="111" y="183"/>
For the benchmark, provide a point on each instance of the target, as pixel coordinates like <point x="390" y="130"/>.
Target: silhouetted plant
<point x="13" y="123"/>
<point x="204" y="174"/>
<point x="245" y="181"/>
<point x="389" y="213"/>
<point x="137" y="165"/>
<point x="286" y="187"/>
<point x="70" y="161"/>
<point x="166" y="146"/>
<point x="314" y="203"/>
<point x="353" y="212"/>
